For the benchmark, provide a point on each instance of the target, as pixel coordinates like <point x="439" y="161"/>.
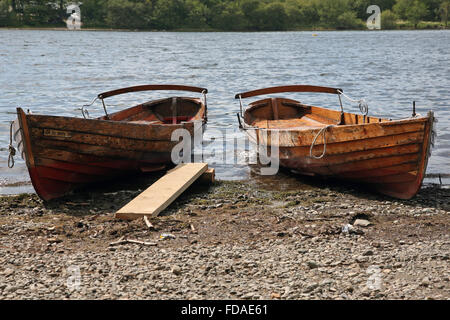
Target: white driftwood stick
<point x="148" y="223"/>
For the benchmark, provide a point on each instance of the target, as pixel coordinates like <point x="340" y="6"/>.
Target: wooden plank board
<point x="163" y="192"/>
<point x="209" y="176"/>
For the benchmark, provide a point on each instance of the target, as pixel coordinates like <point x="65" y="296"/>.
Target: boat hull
<point x="390" y="157"/>
<point x="66" y="153"/>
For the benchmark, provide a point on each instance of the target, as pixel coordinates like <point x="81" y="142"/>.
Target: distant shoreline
<point x="208" y="30"/>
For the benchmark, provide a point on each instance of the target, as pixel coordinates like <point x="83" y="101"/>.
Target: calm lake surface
<point x="56" y="72"/>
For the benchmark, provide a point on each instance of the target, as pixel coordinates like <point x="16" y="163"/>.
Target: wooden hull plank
<point x="295" y="138"/>
<point x="355" y="146"/>
<point x="108" y="141"/>
<point x="349" y="157"/>
<point x="107" y="128"/>
<point x="68" y="151"/>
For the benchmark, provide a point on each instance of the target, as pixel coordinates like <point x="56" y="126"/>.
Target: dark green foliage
<point x="228" y="15"/>
<point x="388" y="19"/>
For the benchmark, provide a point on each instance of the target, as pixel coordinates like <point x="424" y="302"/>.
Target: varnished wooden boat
<point x="389" y="155"/>
<point x="65" y="153"/>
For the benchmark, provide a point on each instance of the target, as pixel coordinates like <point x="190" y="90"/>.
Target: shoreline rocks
<point x="248" y="243"/>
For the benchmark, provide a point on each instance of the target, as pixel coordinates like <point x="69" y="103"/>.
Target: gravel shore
<point x="231" y="240"/>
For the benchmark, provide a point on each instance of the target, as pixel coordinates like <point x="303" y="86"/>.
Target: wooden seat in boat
<point x="144" y="122"/>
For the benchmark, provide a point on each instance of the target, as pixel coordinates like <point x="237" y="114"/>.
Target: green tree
<point x="197" y="14"/>
<point x="251" y="10"/>
<point x="416" y="12"/>
<point x="309" y="13"/>
<point x="123" y="14"/>
<point x="40" y="13"/>
<point x="4" y="13"/>
<point x="349" y="20"/>
<point x="330" y="10"/>
<point x="444" y="10"/>
<point x="229" y="17"/>
<point x="385" y="4"/>
<point x="388" y="19"/>
<point x="433" y="9"/>
<point x="94" y="12"/>
<point x="169" y="14"/>
<point x="360" y="7"/>
<point x="272" y="17"/>
<point x="62" y="8"/>
<point x="400" y="8"/>
<point x="411" y="10"/>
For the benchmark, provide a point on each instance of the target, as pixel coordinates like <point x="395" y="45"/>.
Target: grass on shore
<point x="400" y="25"/>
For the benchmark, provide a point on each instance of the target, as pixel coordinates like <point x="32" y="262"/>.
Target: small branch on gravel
<point x="307" y="235"/>
<point x="78" y="204"/>
<point x="193" y="229"/>
<point x="122" y="240"/>
<point x="125" y="241"/>
<point x="142" y="242"/>
<point x="148" y="223"/>
<point x="322" y="219"/>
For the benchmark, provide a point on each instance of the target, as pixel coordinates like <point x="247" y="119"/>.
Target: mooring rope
<point x="85" y="111"/>
<point x="363" y="106"/>
<point x="321" y="131"/>
<point x="11" y="149"/>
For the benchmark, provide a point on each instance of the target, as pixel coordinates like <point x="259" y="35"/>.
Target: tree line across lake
<point x="226" y="15"/>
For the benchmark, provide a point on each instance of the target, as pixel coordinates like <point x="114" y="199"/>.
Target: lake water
<point x="56" y="72"/>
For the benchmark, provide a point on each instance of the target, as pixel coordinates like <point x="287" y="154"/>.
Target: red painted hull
<point x="59" y="178"/>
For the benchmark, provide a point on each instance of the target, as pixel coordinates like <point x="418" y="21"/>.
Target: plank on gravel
<point x="163" y="192"/>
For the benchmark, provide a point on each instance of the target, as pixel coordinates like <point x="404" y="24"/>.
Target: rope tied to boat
<point x="323" y="132"/>
<point x="11" y="149"/>
<point x="85" y="111"/>
<point x="362" y="104"/>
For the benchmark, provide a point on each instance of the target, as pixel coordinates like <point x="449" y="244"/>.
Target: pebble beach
<point x="230" y="240"/>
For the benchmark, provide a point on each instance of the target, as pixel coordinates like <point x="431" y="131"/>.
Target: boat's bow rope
<point x="85" y="111"/>
<point x="12" y="150"/>
<point x="363" y="106"/>
<point x="321" y="131"/>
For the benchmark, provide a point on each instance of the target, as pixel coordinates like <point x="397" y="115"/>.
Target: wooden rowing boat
<point x="65" y="153"/>
<point x="389" y="155"/>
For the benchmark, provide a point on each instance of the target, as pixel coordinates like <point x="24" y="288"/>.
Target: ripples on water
<point x="54" y="72"/>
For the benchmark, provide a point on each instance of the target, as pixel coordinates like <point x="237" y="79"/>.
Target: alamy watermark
<point x="74" y="278"/>
<point x="73" y="22"/>
<point x="374" y="21"/>
<point x="374" y="281"/>
<point x="225" y="147"/>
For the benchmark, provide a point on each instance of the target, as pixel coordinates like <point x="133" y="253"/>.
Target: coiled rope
<point x="321" y="131"/>
<point x="12" y="150"/>
<point x="363" y="106"/>
<point x="85" y="111"/>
